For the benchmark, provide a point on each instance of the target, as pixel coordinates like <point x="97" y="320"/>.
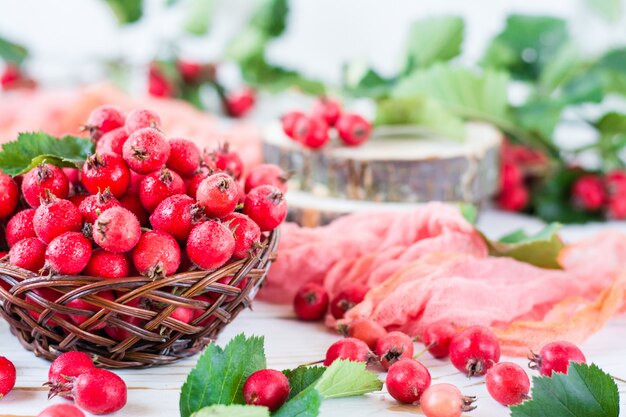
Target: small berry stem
<point x="304" y="365"/>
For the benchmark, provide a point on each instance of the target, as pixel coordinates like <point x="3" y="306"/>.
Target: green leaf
<point x="270" y="18"/>
<point x="362" y="81"/>
<point x="219" y="375"/>
<point x="560" y="69"/>
<point x="302" y="377"/>
<point x="469" y="212"/>
<point x="126" y="11"/>
<point x="526" y="45"/>
<point x="421" y="111"/>
<point x="232" y="411"/>
<point x="612" y="130"/>
<point x="199" y="16"/>
<point x="31" y="149"/>
<point x="541" y="249"/>
<point x="539" y="116"/>
<point x="461" y="91"/>
<point x="12" y="52"/>
<point x="611" y="10"/>
<point x="347" y="379"/>
<point x="433" y="39"/>
<point x="585" y="391"/>
<point x="306" y="404"/>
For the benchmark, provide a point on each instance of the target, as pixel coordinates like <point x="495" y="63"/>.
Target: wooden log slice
<point x="399" y="164"/>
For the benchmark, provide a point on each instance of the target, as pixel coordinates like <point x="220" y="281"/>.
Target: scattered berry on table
<point x="366" y="330"/>
<point x="61" y="410"/>
<point x="289" y="121"/>
<point x="311" y="132"/>
<point x="327" y="109"/>
<point x="445" y="400"/>
<point x="346" y="299"/>
<point x="97" y="391"/>
<point x="310" y="302"/>
<point x="556" y="357"/>
<point x="407" y="380"/>
<point x="69" y="365"/>
<point x="393" y="347"/>
<point x="348" y="349"/>
<point x="507" y="383"/>
<point x="268" y="388"/>
<point x="436" y="337"/>
<point x="474" y="350"/>
<point x="7" y="376"/>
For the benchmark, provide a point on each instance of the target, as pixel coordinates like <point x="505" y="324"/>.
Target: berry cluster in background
<point x="142" y="204"/>
<point x="314" y="130"/>
<point x="474" y="351"/>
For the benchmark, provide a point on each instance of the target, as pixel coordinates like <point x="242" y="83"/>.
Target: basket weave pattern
<point x="159" y="339"/>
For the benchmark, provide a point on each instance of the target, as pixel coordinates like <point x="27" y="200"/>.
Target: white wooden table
<point x="155" y="392"/>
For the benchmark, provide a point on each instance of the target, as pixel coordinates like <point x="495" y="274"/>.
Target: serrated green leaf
<point x="302" y="377"/>
<point x="12" y="52"/>
<point x="560" y="69"/>
<point x="126" y="11"/>
<point x="199" y="16"/>
<point x="347" y="379"/>
<point x="526" y="45"/>
<point x="270" y="18"/>
<point x="460" y="91"/>
<point x="541" y="249"/>
<point x="421" y="111"/>
<point x="586" y="391"/>
<point x="219" y="375"/>
<point x="232" y="411"/>
<point x="306" y="404"/>
<point x="30" y="149"/>
<point x="539" y="116"/>
<point x="432" y="40"/>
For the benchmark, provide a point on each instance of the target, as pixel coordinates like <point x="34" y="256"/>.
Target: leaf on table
<point x="541" y="249"/>
<point x="302" y="377"/>
<point x="526" y="45"/>
<point x="347" y="379"/>
<point x="420" y="111"/>
<point x="12" y="52"/>
<point x="360" y="80"/>
<point x="126" y="11"/>
<point x="31" y="149"/>
<point x="585" y="391"/>
<point x="219" y="375"/>
<point x="460" y="91"/>
<point x="306" y="404"/>
<point x="232" y="411"/>
<point x="433" y="39"/>
<point x="199" y="16"/>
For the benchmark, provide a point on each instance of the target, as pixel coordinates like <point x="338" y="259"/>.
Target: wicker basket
<point x="159" y="339"/>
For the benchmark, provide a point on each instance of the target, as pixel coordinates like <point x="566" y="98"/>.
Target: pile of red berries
<point x="597" y="193"/>
<point x="474" y="351"/>
<point x="141" y="204"/>
<point x="74" y="376"/>
<point x="313" y="131"/>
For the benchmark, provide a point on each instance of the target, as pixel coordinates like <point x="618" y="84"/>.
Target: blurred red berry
<point x="239" y="102"/>
<point x="158" y="84"/>
<point x="513" y="198"/>
<point x="13" y="78"/>
<point x="616" y="182"/>
<point x="616" y="207"/>
<point x="510" y="175"/>
<point x="327" y="109"/>
<point x="589" y="193"/>
<point x="190" y="70"/>
<point x="312" y="132"/>
<point x="289" y="121"/>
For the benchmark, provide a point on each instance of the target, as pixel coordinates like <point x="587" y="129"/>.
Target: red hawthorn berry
<point x="238" y="103"/>
<point x="514" y="198"/>
<point x="616" y="207"/>
<point x="510" y="175"/>
<point x="589" y="193"/>
<point x="158" y="84"/>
